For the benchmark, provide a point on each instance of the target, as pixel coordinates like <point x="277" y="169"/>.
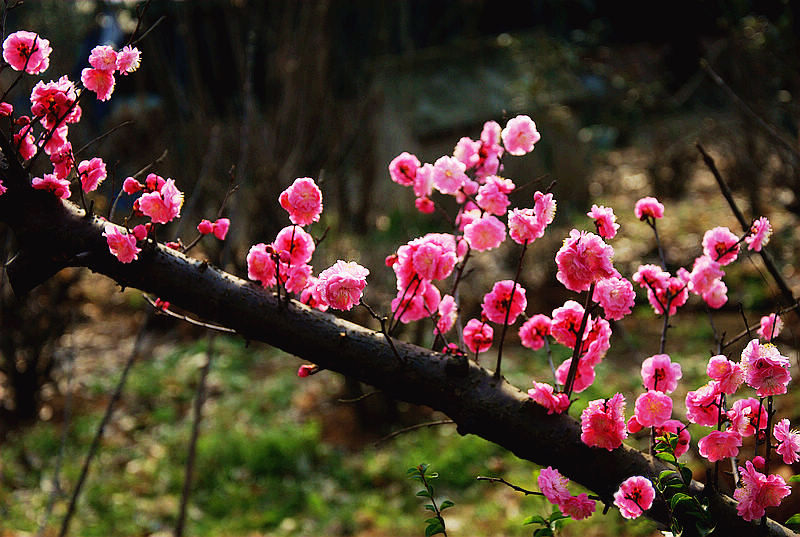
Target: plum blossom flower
<point x="490" y="151"/>
<point x="62" y="161"/>
<point x="295" y="244"/>
<point x="705" y="272"/>
<point x="467" y="151"/>
<point x="99" y="81"/>
<point x="634" y="497"/>
<point x="566" y="322"/>
<point x="128" y="59"/>
<point x="604" y="220"/>
<point x="648" y="207"/>
<point x="342" y="284"/>
<point x="448" y="175"/>
<point x="295" y="277"/>
<point x="660" y="373"/>
<point x="498" y="303"/>
<point x="584" y="374"/>
<point x="653" y="408"/>
<point x="520" y="135"/>
<point x="310" y="295"/>
<point x="418" y="304"/>
<point x="729" y="375"/>
<point x="303" y="201"/>
<point x="261" y="265"/>
<point x="425" y="205"/>
<point x="403" y="168"/>
<point x="616" y="296"/>
<point x="448" y="312"/>
<point x="716" y="296"/>
<point x="676" y="427"/>
<point x="104" y="58"/>
<point x="162" y="205"/>
<point x="433" y="256"/>
<point x="493" y="195"/>
<point x="578" y="507"/>
<point x="26" y="50"/>
<point x="122" y="245"/>
<point x="25" y="143"/>
<point x="746" y="415"/>
<point x="771" y="326"/>
<point x="701" y="405"/>
<point x="789" y="441"/>
<point x="759" y="234"/>
<point x="423" y="181"/>
<point x="758" y="492"/>
<point x="478" y="335"/>
<point x="2" y="188"/>
<point x="603" y="423"/>
<point x="485" y="233"/>
<point x="582" y="260"/>
<point x="51" y="183"/>
<point x="543" y="394"/>
<point x="220" y="228"/>
<point x="765" y="369"/>
<point x="92" y="173"/>
<point x="720" y="445"/>
<point x="6" y="109"/>
<point x="553" y="485"/>
<point x="52" y="102"/>
<point x="131" y="186"/>
<point x="534" y="331"/>
<point x="721" y="245"/>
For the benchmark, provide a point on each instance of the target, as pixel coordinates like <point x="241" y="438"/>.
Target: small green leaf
<point x="424" y="493"/>
<point x="794" y="520"/>
<point x="667" y="457"/>
<point x="432" y="520"/>
<point x="423" y="468"/>
<point x="433" y="529"/>
<point x="679" y="499"/>
<point x="557" y="515"/>
<point x="687" y="474"/>
<point x="543" y="532"/>
<point x="429" y="507"/>
<point x="794" y="479"/>
<point x="434" y="475"/>
<point x="534" y="519"/>
<point x="667" y="475"/>
<point x="445" y="505"/>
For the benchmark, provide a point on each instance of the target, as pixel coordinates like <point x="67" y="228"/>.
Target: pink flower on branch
<point x="103" y="58"/>
<point x="54" y="103"/>
<point x="660" y="373"/>
<point x="448" y="312"/>
<point x="729" y="375"/>
<point x="164" y="204"/>
<point x="584" y="259"/>
<point x="122" y="245"/>
<point x="485" y="233"/>
<point x="92" y="173"/>
<point x="478" y="335"/>
<point x="403" y="169"/>
<point x="634" y="497"/>
<point x="721" y="245"/>
<point x="765" y="369"/>
<point x="534" y="331"/>
<point x="789" y="441"/>
<point x="653" y="408"/>
<point x="771" y="326"/>
<point x="27" y="51"/>
<point x="584" y="374"/>
<point x="676" y="427"/>
<point x="51" y="183"/>
<point x="303" y="201"/>
<point x="604" y="220"/>
<point x="720" y="445"/>
<point x="648" y="207"/>
<point x="448" y="175"/>
<point x="553" y="485"/>
<point x="603" y="423"/>
<point x="261" y="265"/>
<point x="578" y="507"/>
<point x="342" y="284"/>
<point x="128" y="59"/>
<point x="758" y="492"/>
<point x="99" y="81"/>
<point x="747" y="415"/>
<point x="759" y="234"/>
<point x="520" y="135"/>
<point x="544" y="394"/>
<point x="499" y="303"/>
<point x="295" y="244"/>
<point x="616" y="296"/>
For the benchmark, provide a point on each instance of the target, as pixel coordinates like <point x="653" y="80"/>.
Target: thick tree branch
<point x="52" y="233"/>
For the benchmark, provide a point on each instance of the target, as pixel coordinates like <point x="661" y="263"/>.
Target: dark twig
<point x="135" y="176"/>
<point x="167" y="311"/>
<point x="497" y="373"/>
<point x="526" y="492"/>
<point x="199" y="400"/>
<point x="576" y="351"/>
<point x="359" y="398"/>
<point x="412" y="428"/>
<point x="109" y="132"/>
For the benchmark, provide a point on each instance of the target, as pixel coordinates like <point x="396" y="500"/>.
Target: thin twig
<point x="161" y="19"/>
<point x="109" y="132"/>
<point x="412" y="428"/>
<point x="497" y="373"/>
<point x="359" y="398"/>
<point x="199" y="400"/>
<point x="526" y="492"/>
<point x="73" y="502"/>
<point x="189" y="320"/>
<point x="135" y="176"/>
<point x="576" y="351"/>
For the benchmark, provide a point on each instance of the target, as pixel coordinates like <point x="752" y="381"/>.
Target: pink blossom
<point x="485" y="233"/>
<point x="311" y="297"/>
<point x="423" y="181"/>
<point x="131" y="186"/>
<point x="582" y="260"/>
<point x="543" y="394"/>
<point x="434" y="255"/>
<point x="303" y="201"/>
<point x="306" y="369"/>
<point x="342" y="284"/>
<point x="63" y="161"/>
<point x="448" y="312"/>
<point x="759" y="234"/>
<point x="660" y="373"/>
<point x="596" y="342"/>
<point x="720" y="445"/>
<point x="92" y="173"/>
<point x="553" y="485"/>
<point x="164" y="205"/>
<point x="789" y="441"/>
<point x="467" y="151"/>
<point x="261" y="265"/>
<point x="499" y="302"/>
<point x="122" y="245"/>
<point x="100" y="82"/>
<point x="520" y="135"/>
<point x="717" y="296"/>
<point x="424" y="205"/>
<point x="403" y="168"/>
<point x="140" y="232"/>
<point x="676" y="427"/>
<point x="704" y="273"/>
<point x="154" y="182"/>
<point x="648" y="276"/>
<point x="103" y="58"/>
<point x="6" y="109"/>
<point x="24" y="142"/>
<point x="603" y="423"/>
<point x="478" y="335"/>
<point x="648" y="207"/>
<point x="634" y="497"/>
<point x="26" y="50"/>
<point x="578" y="507"/>
<point x="411" y="306"/>
<point x="220" y="228"/>
<point x="604" y="220"/>
<point x="653" y="408"/>
<point x="584" y="374"/>
<point x="721" y="245"/>
<point x="297" y="244"/>
<point x="448" y="175"/>
<point x="729" y="375"/>
<point x="58" y="141"/>
<point x="765" y="369"/>
<point x="771" y="326"/>
<point x="128" y="59"/>
<point x="544" y="205"/>
<point x="662" y="290"/>
<point x="493" y="195"/>
<point x="51" y="183"/>
<point x="534" y="331"/>
<point x="758" y="492"/>
<point x="567" y="321"/>
<point x="295" y="277"/>
<point x="490" y="152"/>
<point x="54" y="101"/>
<point x="702" y="405"/>
<point x="616" y="296"/>
<point x="2" y="188"/>
<point x="746" y="415"/>
<point x="523" y="226"/>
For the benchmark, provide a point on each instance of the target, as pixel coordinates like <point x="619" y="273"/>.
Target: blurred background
<point x="260" y="93"/>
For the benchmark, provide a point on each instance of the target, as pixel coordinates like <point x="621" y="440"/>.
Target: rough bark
<point x="53" y="234"/>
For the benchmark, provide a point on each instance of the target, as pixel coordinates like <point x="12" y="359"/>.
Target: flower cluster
<point x="554" y="487"/>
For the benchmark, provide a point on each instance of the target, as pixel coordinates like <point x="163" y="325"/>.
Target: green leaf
<point x="543" y="532"/>
<point x="424" y="493"/>
<point x="534" y="519"/>
<point x="687" y="474"/>
<point x="432" y="520"/>
<point x="667" y="457"/>
<point x="678" y="499"/>
<point x="434" y="475"/>
<point x="794" y="479"/>
<point x="423" y="468"/>
<point x="557" y="515"/>
<point x="445" y="505"/>
<point x="429" y="507"/>
<point x="667" y="475"/>
<point x="433" y="529"/>
<point x="794" y="520"/>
